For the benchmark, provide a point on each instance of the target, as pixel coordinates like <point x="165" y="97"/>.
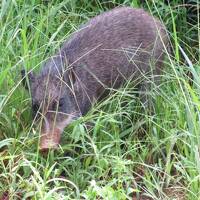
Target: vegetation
<point x="129" y="152"/>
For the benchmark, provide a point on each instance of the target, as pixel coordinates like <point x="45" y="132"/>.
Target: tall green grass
<point x="129" y="152"/>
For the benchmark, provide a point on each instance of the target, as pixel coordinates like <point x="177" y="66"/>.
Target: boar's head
<point x="53" y="102"/>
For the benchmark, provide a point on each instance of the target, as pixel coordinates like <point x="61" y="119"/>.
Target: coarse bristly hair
<point x="108" y="50"/>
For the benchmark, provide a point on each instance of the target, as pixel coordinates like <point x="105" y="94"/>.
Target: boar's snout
<point x="51" y="131"/>
<point x="50" y="140"/>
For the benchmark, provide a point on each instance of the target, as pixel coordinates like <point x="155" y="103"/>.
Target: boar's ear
<point x="27" y="78"/>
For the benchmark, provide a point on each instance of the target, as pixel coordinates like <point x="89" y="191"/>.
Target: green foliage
<point x="129" y="151"/>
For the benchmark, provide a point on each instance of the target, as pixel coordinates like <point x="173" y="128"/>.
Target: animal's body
<point x="109" y="49"/>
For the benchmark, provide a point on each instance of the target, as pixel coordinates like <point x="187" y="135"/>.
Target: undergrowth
<point x="129" y="152"/>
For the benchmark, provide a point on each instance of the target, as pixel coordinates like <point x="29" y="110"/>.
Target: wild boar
<point x="117" y="45"/>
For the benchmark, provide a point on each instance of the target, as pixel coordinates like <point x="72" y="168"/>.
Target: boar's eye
<point x="58" y="105"/>
<point x="61" y="102"/>
<point x="35" y="107"/>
